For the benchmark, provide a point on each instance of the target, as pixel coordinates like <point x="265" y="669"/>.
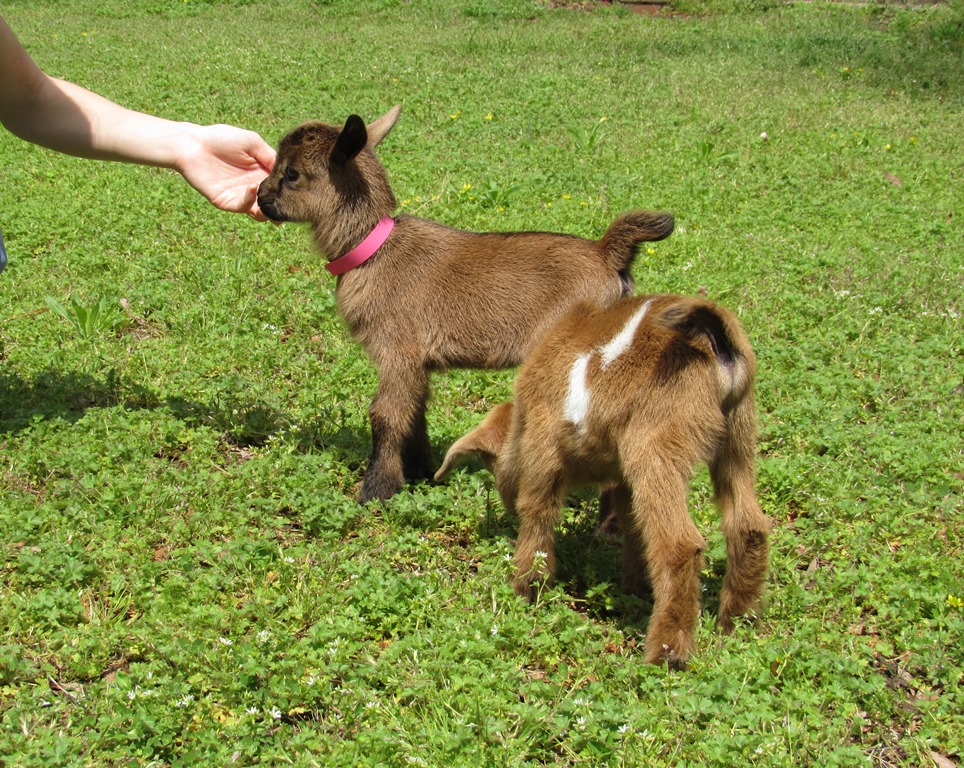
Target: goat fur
<point x="433" y="297"/>
<point x="633" y="396"/>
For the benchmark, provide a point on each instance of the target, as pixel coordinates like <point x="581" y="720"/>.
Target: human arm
<point x="223" y="163"/>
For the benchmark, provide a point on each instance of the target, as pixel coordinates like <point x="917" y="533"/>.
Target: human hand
<point x="226" y="165"/>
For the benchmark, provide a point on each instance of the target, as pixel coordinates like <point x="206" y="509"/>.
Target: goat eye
<point x="291" y="175"/>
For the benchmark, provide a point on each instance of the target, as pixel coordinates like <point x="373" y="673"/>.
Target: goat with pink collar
<point x="422" y="297"/>
<point x="632" y="397"/>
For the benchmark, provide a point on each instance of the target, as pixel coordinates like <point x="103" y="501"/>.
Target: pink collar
<point x="365" y="250"/>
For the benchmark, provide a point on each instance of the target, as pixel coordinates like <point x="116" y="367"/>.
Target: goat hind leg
<point x="674" y="555"/>
<point x="745" y="527"/>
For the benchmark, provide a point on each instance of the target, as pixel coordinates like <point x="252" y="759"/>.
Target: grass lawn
<point x="186" y="577"/>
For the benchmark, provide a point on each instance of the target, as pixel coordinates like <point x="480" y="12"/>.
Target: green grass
<point x="186" y="577"/>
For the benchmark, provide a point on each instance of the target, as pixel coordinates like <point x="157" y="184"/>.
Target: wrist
<point x="186" y="143"/>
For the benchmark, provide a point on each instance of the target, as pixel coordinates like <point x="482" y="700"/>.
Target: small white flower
<point x="263" y="636"/>
<point x="624" y="729"/>
<point x="764" y="136"/>
<point x="876" y="310"/>
<point x="495" y="630"/>
<point x="275" y="713"/>
<point x="225" y="641"/>
<point x="540" y="555"/>
<point x="250" y="710"/>
<point x="288" y="559"/>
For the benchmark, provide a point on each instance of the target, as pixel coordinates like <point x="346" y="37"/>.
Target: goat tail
<point x="704" y="322"/>
<point x="622" y="238"/>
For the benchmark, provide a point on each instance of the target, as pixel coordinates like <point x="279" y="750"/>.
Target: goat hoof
<point x="668" y="658"/>
<point x="378" y="490"/>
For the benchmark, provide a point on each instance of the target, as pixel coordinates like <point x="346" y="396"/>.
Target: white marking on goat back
<point x="622" y="340"/>
<point x="576" y="406"/>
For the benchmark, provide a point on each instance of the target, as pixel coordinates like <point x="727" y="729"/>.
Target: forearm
<point x="70" y="119"/>
<point x="65" y="117"/>
<point x="222" y="162"/>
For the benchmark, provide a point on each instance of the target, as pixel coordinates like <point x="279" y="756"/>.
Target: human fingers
<point x="263" y="153"/>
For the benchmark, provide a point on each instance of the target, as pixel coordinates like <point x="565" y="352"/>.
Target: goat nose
<point x="268" y="208"/>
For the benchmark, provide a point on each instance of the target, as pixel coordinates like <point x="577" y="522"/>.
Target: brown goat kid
<point x="431" y="297"/>
<point x="633" y="396"/>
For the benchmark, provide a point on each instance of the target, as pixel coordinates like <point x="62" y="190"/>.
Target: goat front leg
<point x="417" y="451"/>
<point x="535" y="557"/>
<point x="745" y="527"/>
<point x="395" y="414"/>
<point x="530" y="478"/>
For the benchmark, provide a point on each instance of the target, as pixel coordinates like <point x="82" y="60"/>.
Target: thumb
<point x="249" y="204"/>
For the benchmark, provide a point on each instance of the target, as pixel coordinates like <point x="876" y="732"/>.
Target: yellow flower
<point x="955" y="602"/>
<point x="488" y="116"/>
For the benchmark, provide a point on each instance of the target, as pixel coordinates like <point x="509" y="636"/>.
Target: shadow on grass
<point x="590" y="571"/>
<point x="589" y="560"/>
<point x="54" y="395"/>
<point x="916" y="51"/>
<point x="242" y="419"/>
<point x="589" y="566"/>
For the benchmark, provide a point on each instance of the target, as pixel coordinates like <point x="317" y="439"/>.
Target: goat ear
<point x="484" y="441"/>
<point x="350" y="141"/>
<point x="378" y="129"/>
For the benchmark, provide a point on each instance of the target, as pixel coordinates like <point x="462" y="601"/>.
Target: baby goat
<point x="633" y="396"/>
<point x="422" y="297"/>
